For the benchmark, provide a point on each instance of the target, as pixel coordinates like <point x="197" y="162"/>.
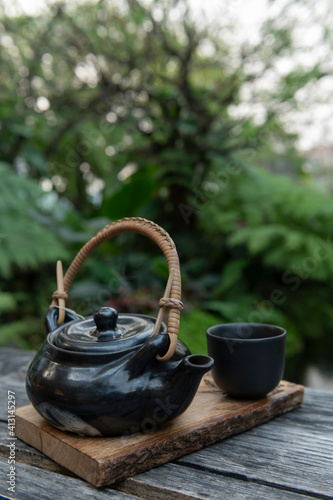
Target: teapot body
<point x="109" y="394"/>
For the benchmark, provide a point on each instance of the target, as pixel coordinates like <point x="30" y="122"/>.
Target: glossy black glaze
<point x="106" y="325"/>
<point x="122" y="391"/>
<point x="51" y="318"/>
<point x="249" y="357"/>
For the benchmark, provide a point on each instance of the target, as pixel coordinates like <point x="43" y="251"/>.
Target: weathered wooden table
<point x="288" y="457"/>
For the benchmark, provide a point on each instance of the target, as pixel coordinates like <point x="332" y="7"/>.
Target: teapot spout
<point x="197" y="364"/>
<point x="180" y="387"/>
<point x="189" y="374"/>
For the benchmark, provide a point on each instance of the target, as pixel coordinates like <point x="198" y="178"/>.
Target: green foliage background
<point x="111" y="111"/>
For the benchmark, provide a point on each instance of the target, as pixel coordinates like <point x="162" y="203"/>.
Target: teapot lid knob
<point x="106" y="320"/>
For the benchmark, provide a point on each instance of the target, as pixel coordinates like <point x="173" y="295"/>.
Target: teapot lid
<point x="105" y="332"/>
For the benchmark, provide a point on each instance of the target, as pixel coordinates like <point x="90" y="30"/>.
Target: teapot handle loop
<point x="172" y="296"/>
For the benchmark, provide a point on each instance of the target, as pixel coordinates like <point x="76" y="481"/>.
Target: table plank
<point x="183" y="483"/>
<point x="14" y="364"/>
<point x="12" y="383"/>
<point x="33" y="483"/>
<point x="13" y="360"/>
<point x="289" y="457"/>
<point x="294" y="451"/>
<point x="316" y="412"/>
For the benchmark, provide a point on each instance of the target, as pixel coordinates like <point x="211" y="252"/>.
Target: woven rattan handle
<point x="172" y="298"/>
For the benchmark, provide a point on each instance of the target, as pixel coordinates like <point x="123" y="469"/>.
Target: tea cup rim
<point x="210" y="333"/>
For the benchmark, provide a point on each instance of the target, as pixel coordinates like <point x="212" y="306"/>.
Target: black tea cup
<point x="249" y="358"/>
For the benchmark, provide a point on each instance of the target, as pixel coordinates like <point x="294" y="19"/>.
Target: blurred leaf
<point x="193" y="329"/>
<point x="130" y="198"/>
<point x="7" y="302"/>
<point x="232" y="273"/>
<point x="19" y="230"/>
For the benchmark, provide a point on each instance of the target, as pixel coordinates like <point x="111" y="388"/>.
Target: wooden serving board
<point x="211" y="417"/>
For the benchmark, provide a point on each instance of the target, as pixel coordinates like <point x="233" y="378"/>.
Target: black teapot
<point x="111" y="374"/>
